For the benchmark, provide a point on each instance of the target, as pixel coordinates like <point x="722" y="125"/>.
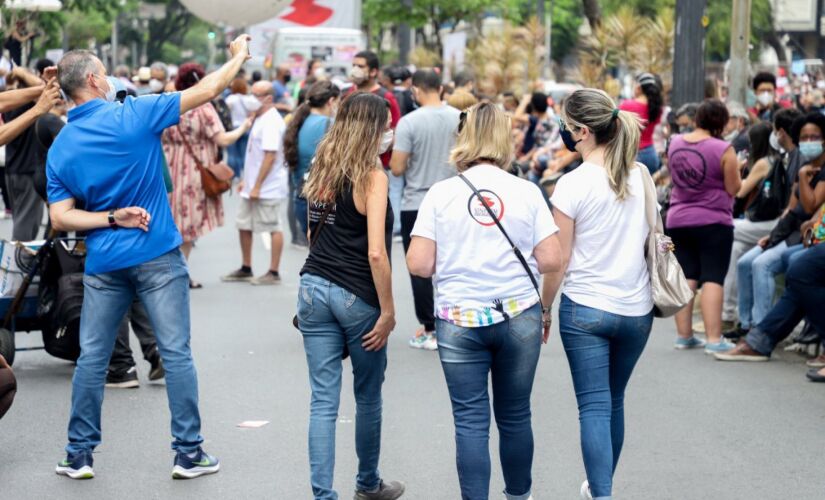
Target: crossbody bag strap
<point x="516" y="250"/>
<point x="321" y="223"/>
<point x="189" y="149"/>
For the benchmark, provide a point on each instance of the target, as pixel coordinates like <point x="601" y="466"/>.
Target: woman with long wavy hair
<point x="309" y="123"/>
<point x="345" y="303"/>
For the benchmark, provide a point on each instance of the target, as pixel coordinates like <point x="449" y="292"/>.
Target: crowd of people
<point x="136" y="164"/>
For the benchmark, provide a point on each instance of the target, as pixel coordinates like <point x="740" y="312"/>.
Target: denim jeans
<point x="602" y="349"/>
<point x="804" y="295"/>
<point x="756" y="280"/>
<point x="329" y="317"/>
<point x="396" y="195"/>
<point x="122" y="359"/>
<point x="162" y="284"/>
<point x="649" y="158"/>
<point x="300" y="207"/>
<point x="237" y="154"/>
<point x="510" y="351"/>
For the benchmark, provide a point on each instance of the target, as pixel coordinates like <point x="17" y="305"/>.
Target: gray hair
<point x="73" y="70"/>
<point x="688" y="110"/>
<point x="162" y="67"/>
<point x="737" y="110"/>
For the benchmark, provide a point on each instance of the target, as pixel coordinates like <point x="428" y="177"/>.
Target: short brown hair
<point x="239" y="86"/>
<point x="712" y="116"/>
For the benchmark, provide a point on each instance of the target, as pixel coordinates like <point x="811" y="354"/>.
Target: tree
<point x="718" y="34"/>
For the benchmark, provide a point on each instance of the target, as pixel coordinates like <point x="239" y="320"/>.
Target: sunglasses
<point x="462" y="117"/>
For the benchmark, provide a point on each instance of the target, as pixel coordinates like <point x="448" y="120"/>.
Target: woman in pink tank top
<point x="706" y="177"/>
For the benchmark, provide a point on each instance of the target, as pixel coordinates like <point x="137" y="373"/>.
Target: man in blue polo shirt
<point x="109" y="158"/>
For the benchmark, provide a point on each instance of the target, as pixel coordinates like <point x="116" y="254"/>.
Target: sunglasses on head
<point x="462" y="117"/>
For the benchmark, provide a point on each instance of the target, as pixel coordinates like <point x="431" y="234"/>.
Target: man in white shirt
<point x="263" y="188"/>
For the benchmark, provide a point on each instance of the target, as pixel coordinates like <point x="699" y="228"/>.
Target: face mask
<point x="251" y="103"/>
<point x="810" y="150"/>
<point x="156" y="86"/>
<point x="319" y="73"/>
<point x="765" y="98"/>
<point x="111" y="93"/>
<point x="686" y="129"/>
<point x="287" y="78"/>
<point x="357" y="75"/>
<point x="774" y="142"/>
<point x="569" y="142"/>
<point x="386" y="141"/>
<point x="733" y="135"/>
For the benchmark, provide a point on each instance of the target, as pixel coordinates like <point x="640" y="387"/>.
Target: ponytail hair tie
<point x="615" y="113"/>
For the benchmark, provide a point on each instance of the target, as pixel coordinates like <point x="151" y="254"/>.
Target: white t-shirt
<point x="607" y="269"/>
<point x="239" y="108"/>
<point x="479" y="280"/>
<point x="267" y="135"/>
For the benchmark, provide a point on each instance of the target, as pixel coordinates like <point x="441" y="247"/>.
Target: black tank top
<point x="340" y="253"/>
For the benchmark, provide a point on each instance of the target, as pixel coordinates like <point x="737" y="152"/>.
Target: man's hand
<point x="48" y="99"/>
<point x="377" y="338"/>
<point x="133" y="217"/>
<point x="764" y="241"/>
<point x="240" y="45"/>
<point x="240" y="186"/>
<point x="547" y="322"/>
<point x="255" y="194"/>
<point x="49" y="73"/>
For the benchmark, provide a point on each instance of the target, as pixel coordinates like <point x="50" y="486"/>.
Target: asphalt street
<point x="696" y="428"/>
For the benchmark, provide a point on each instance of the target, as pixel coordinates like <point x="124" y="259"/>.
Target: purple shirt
<point x="698" y="197"/>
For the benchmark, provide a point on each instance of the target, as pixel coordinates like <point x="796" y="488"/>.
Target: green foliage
<point x="720" y="12"/>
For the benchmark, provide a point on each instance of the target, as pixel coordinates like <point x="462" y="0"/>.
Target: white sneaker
<point x="585" y="491"/>
<point x="425" y="341"/>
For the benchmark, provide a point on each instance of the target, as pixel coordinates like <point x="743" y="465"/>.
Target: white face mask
<point x="358" y="75"/>
<point x="774" y="142"/>
<point x="386" y="141"/>
<point x="111" y="94"/>
<point x="156" y="85"/>
<point x="251" y="103"/>
<point x="731" y="136"/>
<point x="765" y="98"/>
<point x="320" y="74"/>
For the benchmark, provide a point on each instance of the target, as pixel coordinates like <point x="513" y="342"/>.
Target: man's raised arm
<point x="214" y="83"/>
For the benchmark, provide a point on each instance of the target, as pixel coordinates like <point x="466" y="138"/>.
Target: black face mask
<point x="567" y="137"/>
<point x="287" y="78"/>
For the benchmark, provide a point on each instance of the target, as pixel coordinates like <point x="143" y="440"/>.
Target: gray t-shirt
<point x="428" y="135"/>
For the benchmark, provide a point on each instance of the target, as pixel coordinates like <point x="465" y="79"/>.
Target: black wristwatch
<point x="112" y="221"/>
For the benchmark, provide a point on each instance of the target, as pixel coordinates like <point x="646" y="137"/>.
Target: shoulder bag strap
<point x="321" y="223"/>
<point x="516" y="250"/>
<point x="189" y="148"/>
<point x="654" y="221"/>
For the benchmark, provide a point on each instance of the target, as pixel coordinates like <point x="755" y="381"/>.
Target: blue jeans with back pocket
<point x="602" y="349"/>
<point x="510" y="352"/>
<point x="329" y="317"/>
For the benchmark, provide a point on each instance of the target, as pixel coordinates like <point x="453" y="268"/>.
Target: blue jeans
<point x="237" y="154"/>
<point x="510" y="350"/>
<point x="650" y="158"/>
<point x="756" y="280"/>
<point x="396" y="194"/>
<point x="602" y="349"/>
<point x="300" y="205"/>
<point x="330" y="317"/>
<point x="804" y="296"/>
<point x="162" y="284"/>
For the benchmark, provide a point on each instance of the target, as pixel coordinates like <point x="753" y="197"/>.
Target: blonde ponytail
<point x="618" y="131"/>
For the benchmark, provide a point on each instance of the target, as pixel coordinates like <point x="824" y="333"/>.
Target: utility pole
<point x="739" y="51"/>
<point x="404" y="37"/>
<point x="689" y="53"/>
<point x="115" y="42"/>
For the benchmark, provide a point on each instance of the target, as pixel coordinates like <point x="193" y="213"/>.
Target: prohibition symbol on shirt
<point x="688" y="168"/>
<point x="479" y="213"/>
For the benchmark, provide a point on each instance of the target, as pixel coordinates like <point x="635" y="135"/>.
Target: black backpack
<point x="771" y="195"/>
